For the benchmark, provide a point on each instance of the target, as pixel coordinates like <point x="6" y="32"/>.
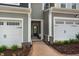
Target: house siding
<point x="37" y="12"/>
<point x="63" y="15"/>
<point x="46" y="25"/>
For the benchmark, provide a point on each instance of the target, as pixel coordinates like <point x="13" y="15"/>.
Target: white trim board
<point x="37" y="19"/>
<point x="10" y="18"/>
<point x="66" y="18"/>
<point x="11" y="9"/>
<point x="29" y="28"/>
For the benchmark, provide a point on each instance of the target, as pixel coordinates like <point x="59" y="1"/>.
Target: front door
<point x="36" y="29"/>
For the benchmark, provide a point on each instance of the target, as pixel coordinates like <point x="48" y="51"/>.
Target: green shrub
<point x="74" y="41"/>
<point x="59" y="43"/>
<point x="14" y="47"/>
<point x="66" y="42"/>
<point x="71" y="41"/>
<point x="2" y="48"/>
<point x="77" y="36"/>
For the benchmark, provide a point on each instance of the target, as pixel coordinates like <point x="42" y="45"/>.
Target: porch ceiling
<point x="11" y="9"/>
<point x="64" y="10"/>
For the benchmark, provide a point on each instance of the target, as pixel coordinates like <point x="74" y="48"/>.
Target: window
<point x="24" y="4"/>
<point x="63" y="5"/>
<point x="73" y="5"/>
<point x="12" y="23"/>
<point x="77" y="23"/>
<point x="69" y="22"/>
<point x="46" y="6"/>
<point x="52" y="4"/>
<point x="1" y="23"/>
<point x="59" y="22"/>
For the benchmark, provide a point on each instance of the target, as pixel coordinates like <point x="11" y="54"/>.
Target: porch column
<point x="41" y="29"/>
<point x="29" y="25"/>
<point x="50" y="24"/>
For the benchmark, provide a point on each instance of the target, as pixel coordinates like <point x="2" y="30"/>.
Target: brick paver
<point x="41" y="49"/>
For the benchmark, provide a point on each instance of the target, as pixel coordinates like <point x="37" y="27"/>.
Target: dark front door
<point x="35" y="29"/>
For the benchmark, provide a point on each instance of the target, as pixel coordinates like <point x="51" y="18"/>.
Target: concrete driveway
<point x="39" y="48"/>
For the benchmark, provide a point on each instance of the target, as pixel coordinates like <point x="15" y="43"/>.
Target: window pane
<point x="46" y="6"/>
<point x="73" y="5"/>
<point x="59" y="22"/>
<point x="12" y="23"/>
<point x="63" y="5"/>
<point x="77" y="23"/>
<point x="52" y="5"/>
<point x="1" y="23"/>
<point x="69" y="22"/>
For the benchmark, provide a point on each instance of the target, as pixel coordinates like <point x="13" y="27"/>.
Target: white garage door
<point x="66" y="29"/>
<point x="10" y="32"/>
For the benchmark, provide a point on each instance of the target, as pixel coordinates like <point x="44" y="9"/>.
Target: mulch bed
<point x="18" y="52"/>
<point x="67" y="49"/>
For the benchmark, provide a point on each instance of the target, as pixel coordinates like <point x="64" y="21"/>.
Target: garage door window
<point x="59" y="22"/>
<point x="77" y="23"/>
<point x="69" y="22"/>
<point x="13" y="23"/>
<point x="1" y="23"/>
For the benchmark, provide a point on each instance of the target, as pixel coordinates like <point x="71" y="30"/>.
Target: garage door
<point x="66" y="29"/>
<point x="10" y="32"/>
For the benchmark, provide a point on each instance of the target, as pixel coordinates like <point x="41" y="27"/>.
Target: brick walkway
<point x="41" y="49"/>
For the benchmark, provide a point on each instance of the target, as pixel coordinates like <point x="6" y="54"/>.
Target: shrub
<point x="77" y="36"/>
<point x="74" y="41"/>
<point x="14" y="47"/>
<point x="58" y="42"/>
<point x="2" y="48"/>
<point x="71" y="41"/>
<point x="66" y="42"/>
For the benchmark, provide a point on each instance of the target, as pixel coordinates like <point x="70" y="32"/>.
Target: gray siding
<point x="63" y="15"/>
<point x="46" y="26"/>
<point x="25" y="24"/>
<point x="37" y="12"/>
<point x="52" y="25"/>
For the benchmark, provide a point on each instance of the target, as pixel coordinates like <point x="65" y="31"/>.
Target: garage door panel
<point x="59" y="30"/>
<point x="66" y="30"/>
<point x="11" y="33"/>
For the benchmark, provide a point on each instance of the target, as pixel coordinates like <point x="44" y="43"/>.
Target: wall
<point x="46" y="25"/>
<point x="63" y="15"/>
<point x="37" y="12"/>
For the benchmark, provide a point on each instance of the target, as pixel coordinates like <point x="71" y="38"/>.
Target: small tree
<point x="77" y="36"/>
